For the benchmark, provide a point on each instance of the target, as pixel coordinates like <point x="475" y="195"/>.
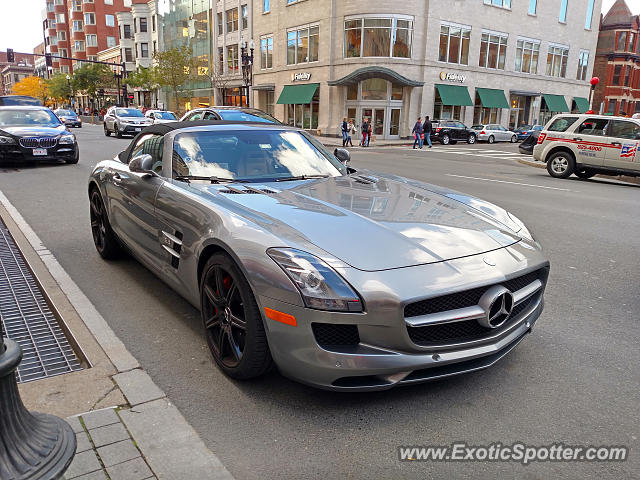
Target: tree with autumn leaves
<point x="33" y="87"/>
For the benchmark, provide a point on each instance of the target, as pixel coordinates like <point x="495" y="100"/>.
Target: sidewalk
<point x="126" y="427"/>
<point x="337" y="142"/>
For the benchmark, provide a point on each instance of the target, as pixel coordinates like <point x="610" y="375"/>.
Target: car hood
<point x="34" y="131"/>
<point x="374" y="223"/>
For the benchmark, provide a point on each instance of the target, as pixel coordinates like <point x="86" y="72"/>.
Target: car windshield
<point x="253" y="155"/>
<point x="524" y="128"/>
<point x="66" y="113"/>
<point x="42" y="118"/>
<point x="246" y="116"/>
<point x="129" y="112"/>
<point x="165" y="115"/>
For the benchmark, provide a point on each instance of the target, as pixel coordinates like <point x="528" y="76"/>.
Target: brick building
<point x="23" y="60"/>
<point x="80" y="29"/>
<point x="617" y="62"/>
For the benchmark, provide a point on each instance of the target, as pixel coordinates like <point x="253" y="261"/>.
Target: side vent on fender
<point x="172" y="243"/>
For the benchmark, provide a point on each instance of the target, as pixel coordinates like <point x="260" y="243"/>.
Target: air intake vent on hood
<point x="364" y="179"/>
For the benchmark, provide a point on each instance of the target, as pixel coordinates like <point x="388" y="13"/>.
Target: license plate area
<point x="37" y="152"/>
<point x="138" y="129"/>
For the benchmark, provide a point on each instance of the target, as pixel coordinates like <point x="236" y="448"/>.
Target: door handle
<point x="117" y="178"/>
<point x="578" y="139"/>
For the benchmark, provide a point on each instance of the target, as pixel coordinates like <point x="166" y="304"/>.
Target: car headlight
<point x="7" y="140"/>
<point x="67" y="139"/>
<point x="320" y="285"/>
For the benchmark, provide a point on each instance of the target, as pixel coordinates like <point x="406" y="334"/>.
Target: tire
<point x="75" y="159"/>
<point x="104" y="238"/>
<point x="116" y="130"/>
<point x="561" y="165"/>
<point x="107" y="133"/>
<point x="491" y="139"/>
<point x="232" y="322"/>
<point x="585" y="173"/>
<point x="445" y="139"/>
<point x="471" y="139"/>
<point x="514" y="139"/>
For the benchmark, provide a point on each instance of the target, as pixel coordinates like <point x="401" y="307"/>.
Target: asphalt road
<point x="574" y="380"/>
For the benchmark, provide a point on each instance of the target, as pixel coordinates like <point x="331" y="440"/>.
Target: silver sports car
<point x="345" y="280"/>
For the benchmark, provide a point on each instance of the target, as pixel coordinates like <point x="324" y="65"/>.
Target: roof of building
<point x="619" y="15"/>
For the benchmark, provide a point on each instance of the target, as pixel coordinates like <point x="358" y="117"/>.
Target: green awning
<point x="454" y="95"/>
<point x="492" y="98"/>
<point x="582" y="104"/>
<point x="555" y="103"/>
<point x="297" y="94"/>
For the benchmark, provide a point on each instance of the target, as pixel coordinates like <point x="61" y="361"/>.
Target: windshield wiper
<point x="212" y="179"/>
<point x="300" y="177"/>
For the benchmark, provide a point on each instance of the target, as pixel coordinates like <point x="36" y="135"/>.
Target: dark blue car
<point x="526" y="130"/>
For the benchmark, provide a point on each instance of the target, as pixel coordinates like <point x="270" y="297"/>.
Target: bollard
<point x="33" y="446"/>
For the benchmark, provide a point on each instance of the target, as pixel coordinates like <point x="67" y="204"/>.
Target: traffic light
<point x="10" y="56"/>
<point x="124" y="90"/>
<point x="47" y="59"/>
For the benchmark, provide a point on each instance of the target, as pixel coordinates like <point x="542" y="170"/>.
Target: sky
<point x="21" y="28"/>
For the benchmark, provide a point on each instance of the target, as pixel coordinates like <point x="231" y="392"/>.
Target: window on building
<point x="617" y="70"/>
<point x="92" y="40"/>
<point x="627" y="76"/>
<point x="83" y="1"/>
<point x="153" y="23"/>
<point x="527" y="52"/>
<point x="611" y="107"/>
<point x="266" y="51"/>
<point x="135" y="26"/>
<point x="220" y="60"/>
<point x="126" y="29"/>
<point x="499" y="3"/>
<point x="454" y="43"/>
<point x="77" y="25"/>
<point x="220" y="26"/>
<point x="92" y="57"/>
<point x="563" y="11"/>
<point x="533" y="6"/>
<point x="583" y="62"/>
<point x="622" y="41"/>
<point x="155" y="47"/>
<point x="59" y="2"/>
<point x="589" y="19"/>
<point x="305" y="115"/>
<point x="78" y="46"/>
<point x="144" y="50"/>
<point x="62" y="36"/>
<point x="302" y="45"/>
<point x="52" y="23"/>
<point x="557" y="60"/>
<point x="89" y="18"/>
<point x="232" y="57"/>
<point x="63" y="52"/>
<point x="108" y="2"/>
<point x="50" y="7"/>
<point x="64" y="69"/>
<point x="632" y="41"/>
<point x="232" y="20"/>
<point x="59" y="17"/>
<point x="445" y="112"/>
<point x="378" y="37"/>
<point x="493" y="50"/>
<point x="109" y="20"/>
<point x="111" y="42"/>
<point x="266" y="6"/>
<point x="270" y="101"/>
<point x="245" y="16"/>
<point x="128" y="55"/>
<point x="54" y="40"/>
<point x="143" y="24"/>
<point x="76" y="5"/>
<point x="483" y="115"/>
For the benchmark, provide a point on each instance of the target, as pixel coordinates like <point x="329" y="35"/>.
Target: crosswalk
<point x="473" y="152"/>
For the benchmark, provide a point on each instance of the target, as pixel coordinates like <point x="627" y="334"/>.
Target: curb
<point x="155" y="423"/>
<point x="620" y="178"/>
<point x="532" y="163"/>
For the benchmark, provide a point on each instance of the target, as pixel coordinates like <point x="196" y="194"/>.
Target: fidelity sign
<point x="300" y="77"/>
<point x="452" y="77"/>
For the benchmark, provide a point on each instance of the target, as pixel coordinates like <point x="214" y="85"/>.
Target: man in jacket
<point x="345" y="131"/>
<point x="417" y="133"/>
<point x="365" y="132"/>
<point x="427" y="128"/>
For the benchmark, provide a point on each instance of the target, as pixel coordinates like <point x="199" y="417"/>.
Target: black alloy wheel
<point x="471" y="139"/>
<point x="104" y="239"/>
<point x="232" y="321"/>
<point x="446" y="139"/>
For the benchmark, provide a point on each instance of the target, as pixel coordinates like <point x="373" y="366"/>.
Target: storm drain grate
<point x="28" y="320"/>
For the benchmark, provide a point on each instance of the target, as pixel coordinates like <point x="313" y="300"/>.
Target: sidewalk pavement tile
<point x="138" y="387"/>
<point x="134" y="469"/>
<point x="75" y="424"/>
<point x="102" y="436"/>
<point x="100" y="418"/>
<point x="98" y="475"/>
<point x="83" y="443"/>
<point x="82" y="463"/>
<point x="118" y="453"/>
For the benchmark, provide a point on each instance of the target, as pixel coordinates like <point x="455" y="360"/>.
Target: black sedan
<point x="451" y="131"/>
<point x="31" y="134"/>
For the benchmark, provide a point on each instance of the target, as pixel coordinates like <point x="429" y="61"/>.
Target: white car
<point x="161" y="116"/>
<point x="124" y="121"/>
<point x="589" y="144"/>
<point x="492" y="132"/>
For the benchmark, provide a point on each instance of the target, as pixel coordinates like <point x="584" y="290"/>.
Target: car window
<point x="246" y="116"/>
<point x="150" y="145"/>
<point x="210" y="116"/>
<point x="561" y="124"/>
<point x="195" y="116"/>
<point x="593" y="126"/>
<point x="128" y="112"/>
<point x="41" y="118"/>
<point x="624" y="129"/>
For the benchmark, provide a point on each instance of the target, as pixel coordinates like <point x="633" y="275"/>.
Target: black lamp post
<point x="247" y="67"/>
<point x="70" y="90"/>
<point x="33" y="446"/>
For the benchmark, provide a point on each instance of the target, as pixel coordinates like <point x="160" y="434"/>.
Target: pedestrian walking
<point x="351" y="130"/>
<point x="365" y="132"/>
<point x="345" y="132"/>
<point x="417" y="133"/>
<point x="427" y="128"/>
<point x="369" y="133"/>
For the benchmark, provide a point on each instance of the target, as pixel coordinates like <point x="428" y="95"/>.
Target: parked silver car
<point x="124" y="121"/>
<point x="346" y="280"/>
<point x="161" y="116"/>
<point x="492" y="132"/>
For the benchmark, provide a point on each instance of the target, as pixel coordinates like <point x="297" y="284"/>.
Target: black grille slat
<point x="41" y="142"/>
<point x="329" y="334"/>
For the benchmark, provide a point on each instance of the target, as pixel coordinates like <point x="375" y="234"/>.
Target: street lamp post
<point x="71" y="91"/>
<point x="33" y="446"/>
<point x="594" y="83"/>
<point x="247" y="67"/>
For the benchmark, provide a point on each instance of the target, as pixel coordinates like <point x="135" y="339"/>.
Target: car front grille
<point x="38" y="142"/>
<point x="333" y="335"/>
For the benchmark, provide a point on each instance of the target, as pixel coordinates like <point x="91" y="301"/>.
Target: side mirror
<point x="342" y="154"/>
<point x="142" y="164"/>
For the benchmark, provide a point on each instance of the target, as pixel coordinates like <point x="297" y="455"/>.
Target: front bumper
<point x="128" y="129"/>
<point x="73" y="123"/>
<point x="385" y="355"/>
<point x="16" y="153"/>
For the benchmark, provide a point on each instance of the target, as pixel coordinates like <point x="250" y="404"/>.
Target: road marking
<point x="513" y="183"/>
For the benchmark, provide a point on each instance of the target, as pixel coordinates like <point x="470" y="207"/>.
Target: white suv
<point x="589" y="144"/>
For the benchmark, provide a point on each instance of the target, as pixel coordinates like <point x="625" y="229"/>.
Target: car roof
<point x="24" y="107"/>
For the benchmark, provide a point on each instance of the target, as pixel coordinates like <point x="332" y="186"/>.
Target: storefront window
<point x="396" y="92"/>
<point x="269" y="101"/>
<point x="374" y="89"/>
<point x="306" y="115"/>
<point x="445" y="112"/>
<point x="483" y="115"/>
<point x="454" y="43"/>
<point x="234" y="97"/>
<point x="527" y="52"/>
<point x="493" y="50"/>
<point x="378" y="37"/>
